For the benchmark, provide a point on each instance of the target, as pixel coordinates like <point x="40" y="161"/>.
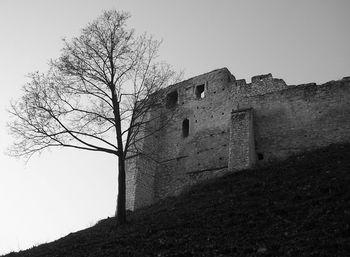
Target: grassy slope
<point x="300" y="207"/>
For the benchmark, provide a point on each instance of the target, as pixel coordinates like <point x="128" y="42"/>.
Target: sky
<point x="62" y="191"/>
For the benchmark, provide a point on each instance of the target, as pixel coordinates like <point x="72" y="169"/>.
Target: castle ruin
<point x="220" y="124"/>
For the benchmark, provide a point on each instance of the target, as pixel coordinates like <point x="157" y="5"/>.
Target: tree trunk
<point x="121" y="212"/>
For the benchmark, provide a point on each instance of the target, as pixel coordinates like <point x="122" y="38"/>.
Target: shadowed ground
<point x="299" y="207"/>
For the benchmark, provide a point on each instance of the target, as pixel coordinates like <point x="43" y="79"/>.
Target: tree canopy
<point x="94" y="96"/>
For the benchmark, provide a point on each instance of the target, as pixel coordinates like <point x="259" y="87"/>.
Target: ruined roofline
<point x="257" y="78"/>
<point x="290" y="89"/>
<point x="344" y="79"/>
<point x="254" y="79"/>
<point x="266" y="77"/>
<point x="178" y="84"/>
<point x="207" y="73"/>
<point x="347" y="78"/>
<point x="242" y="82"/>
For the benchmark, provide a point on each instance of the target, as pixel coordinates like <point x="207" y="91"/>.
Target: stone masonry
<point x="212" y="124"/>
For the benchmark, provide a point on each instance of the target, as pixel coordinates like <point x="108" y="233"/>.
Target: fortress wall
<point x="141" y="164"/>
<point x="205" y="149"/>
<point x="300" y="118"/>
<point x="144" y="190"/>
<point x="283" y="120"/>
<point x="185" y="161"/>
<point x="241" y="146"/>
<point x="130" y="181"/>
<point x="260" y="85"/>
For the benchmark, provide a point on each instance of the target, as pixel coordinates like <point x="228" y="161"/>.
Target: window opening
<point x="185" y="128"/>
<point x="200" y="91"/>
<point x="260" y="156"/>
<point x="171" y="99"/>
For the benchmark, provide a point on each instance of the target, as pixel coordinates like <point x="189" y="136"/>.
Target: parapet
<point x="261" y="77"/>
<point x="241" y="82"/>
<point x="261" y="84"/>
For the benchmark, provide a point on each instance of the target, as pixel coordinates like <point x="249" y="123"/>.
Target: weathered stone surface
<point x="270" y="121"/>
<point x="300" y="118"/>
<point x="241" y="146"/>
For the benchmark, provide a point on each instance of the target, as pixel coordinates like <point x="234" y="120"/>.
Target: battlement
<point x="214" y="83"/>
<point x="258" y="78"/>
<point x="212" y="124"/>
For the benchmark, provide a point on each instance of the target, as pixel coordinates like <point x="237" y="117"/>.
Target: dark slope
<point x="300" y="207"/>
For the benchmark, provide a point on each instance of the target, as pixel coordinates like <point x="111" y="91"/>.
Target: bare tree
<point x="94" y="96"/>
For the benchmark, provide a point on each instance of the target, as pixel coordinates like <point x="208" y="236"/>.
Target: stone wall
<point x="300" y="118"/>
<point x="205" y="149"/>
<point x="141" y="163"/>
<point x="213" y="123"/>
<point x="241" y="146"/>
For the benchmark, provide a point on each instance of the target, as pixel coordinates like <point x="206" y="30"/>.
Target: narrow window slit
<point x="185" y="128"/>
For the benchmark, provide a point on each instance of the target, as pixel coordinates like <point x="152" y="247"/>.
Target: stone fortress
<point x="220" y="124"/>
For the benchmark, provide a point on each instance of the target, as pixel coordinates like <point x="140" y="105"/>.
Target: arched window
<point x="185" y="127"/>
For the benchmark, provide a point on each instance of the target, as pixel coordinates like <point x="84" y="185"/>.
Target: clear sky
<point x="63" y="191"/>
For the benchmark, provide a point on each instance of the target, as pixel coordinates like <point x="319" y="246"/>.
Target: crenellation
<point x="240" y="82"/>
<point x="219" y="124"/>
<point x="258" y="78"/>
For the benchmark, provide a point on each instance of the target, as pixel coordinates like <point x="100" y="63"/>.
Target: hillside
<point x="299" y="207"/>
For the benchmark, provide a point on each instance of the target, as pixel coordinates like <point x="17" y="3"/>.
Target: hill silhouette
<point x="298" y="207"/>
